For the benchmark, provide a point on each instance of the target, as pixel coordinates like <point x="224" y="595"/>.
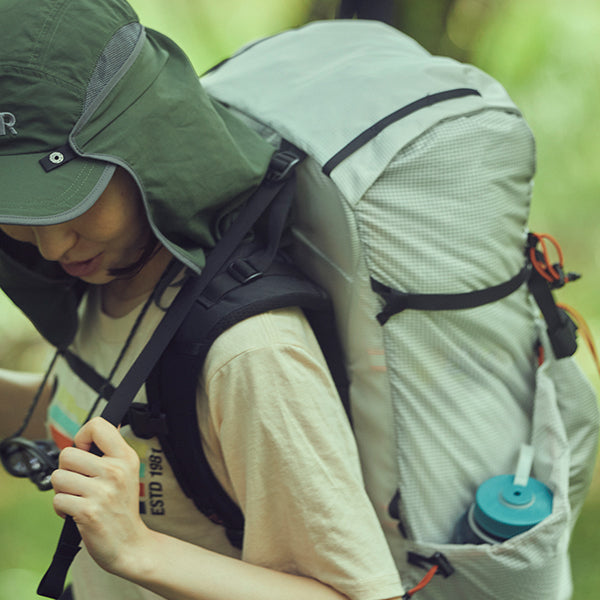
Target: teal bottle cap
<point x="504" y="509"/>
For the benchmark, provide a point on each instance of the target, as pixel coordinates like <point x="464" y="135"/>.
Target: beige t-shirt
<point x="278" y="440"/>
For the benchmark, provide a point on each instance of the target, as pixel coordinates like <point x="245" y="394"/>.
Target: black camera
<point x="35" y="459"/>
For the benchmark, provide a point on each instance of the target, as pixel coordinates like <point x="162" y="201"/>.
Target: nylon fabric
<point x="455" y="230"/>
<point x="437" y="203"/>
<point x="535" y="564"/>
<point x="348" y="85"/>
<point x="449" y="201"/>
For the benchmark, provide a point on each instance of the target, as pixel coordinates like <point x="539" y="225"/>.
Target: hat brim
<point x="31" y="196"/>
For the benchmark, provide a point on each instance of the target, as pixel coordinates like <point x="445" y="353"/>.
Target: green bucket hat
<point x="84" y="87"/>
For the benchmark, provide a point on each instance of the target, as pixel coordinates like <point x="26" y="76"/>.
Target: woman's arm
<point x="101" y="494"/>
<point x="17" y="391"/>
<point x="180" y="571"/>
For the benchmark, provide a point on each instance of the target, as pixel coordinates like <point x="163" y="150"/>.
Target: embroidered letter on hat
<point x="7" y="123"/>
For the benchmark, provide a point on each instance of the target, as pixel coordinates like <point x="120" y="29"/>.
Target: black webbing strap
<point x="374" y="130"/>
<point x="244" y="268"/>
<point x="562" y="331"/>
<point x="53" y="582"/>
<point x="88" y="375"/>
<point x="397" y="301"/>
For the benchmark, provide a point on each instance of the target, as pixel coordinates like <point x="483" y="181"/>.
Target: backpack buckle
<point x="144" y="423"/>
<point x="437" y="559"/>
<point x="282" y="164"/>
<point x="243" y="271"/>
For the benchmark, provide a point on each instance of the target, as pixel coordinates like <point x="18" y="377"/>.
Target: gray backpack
<point x="411" y="212"/>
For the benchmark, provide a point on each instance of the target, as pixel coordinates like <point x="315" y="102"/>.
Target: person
<point x="114" y="163"/>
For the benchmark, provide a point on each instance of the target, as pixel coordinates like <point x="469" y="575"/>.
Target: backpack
<point x="412" y="213"/>
<point x="411" y="209"/>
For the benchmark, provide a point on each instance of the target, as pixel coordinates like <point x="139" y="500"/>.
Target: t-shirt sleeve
<point x="279" y="440"/>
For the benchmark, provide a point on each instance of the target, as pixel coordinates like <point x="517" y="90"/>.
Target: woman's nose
<point x="54" y="241"/>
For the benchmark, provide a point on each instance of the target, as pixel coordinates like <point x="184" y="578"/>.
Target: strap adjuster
<point x="144" y="423"/>
<point x="282" y="164"/>
<point x="436" y="559"/>
<point x="243" y="271"/>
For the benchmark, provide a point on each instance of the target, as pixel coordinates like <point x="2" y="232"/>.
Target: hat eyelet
<point x="56" y="158"/>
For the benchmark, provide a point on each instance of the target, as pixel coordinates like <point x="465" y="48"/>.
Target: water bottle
<point x="505" y="506"/>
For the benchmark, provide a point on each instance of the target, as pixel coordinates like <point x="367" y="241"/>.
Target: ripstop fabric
<point x="419" y="177"/>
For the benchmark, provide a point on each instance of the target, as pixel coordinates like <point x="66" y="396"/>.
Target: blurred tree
<point x="210" y="31"/>
<point x="448" y="27"/>
<point x="323" y="9"/>
<point x="380" y="10"/>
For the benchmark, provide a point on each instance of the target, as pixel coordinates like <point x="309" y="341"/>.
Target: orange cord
<point x="423" y="582"/>
<point x="541" y="355"/>
<point x="546" y="269"/>
<point x="550" y="272"/>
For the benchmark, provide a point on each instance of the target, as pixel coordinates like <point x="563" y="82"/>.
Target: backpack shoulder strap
<point x="275" y="194"/>
<point x="171" y="388"/>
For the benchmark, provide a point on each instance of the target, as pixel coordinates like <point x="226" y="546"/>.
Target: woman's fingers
<point x="101" y="493"/>
<point x="108" y="439"/>
<point x="80" y="461"/>
<point x="66" y="504"/>
<point x="71" y="492"/>
<point x="67" y="486"/>
<point x="69" y="482"/>
<point x="101" y="480"/>
<point x="106" y="436"/>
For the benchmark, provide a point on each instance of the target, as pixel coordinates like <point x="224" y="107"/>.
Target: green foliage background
<point x="545" y="52"/>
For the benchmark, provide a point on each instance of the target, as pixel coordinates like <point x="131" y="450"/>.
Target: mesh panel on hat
<point x="112" y="59"/>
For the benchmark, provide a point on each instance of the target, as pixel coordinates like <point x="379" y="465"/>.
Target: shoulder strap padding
<point x="172" y="386"/>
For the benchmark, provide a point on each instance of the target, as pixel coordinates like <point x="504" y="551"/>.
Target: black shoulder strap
<point x="278" y="186"/>
<point x="171" y="388"/>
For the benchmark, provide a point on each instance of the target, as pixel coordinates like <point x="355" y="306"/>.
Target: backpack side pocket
<point x="534" y="564"/>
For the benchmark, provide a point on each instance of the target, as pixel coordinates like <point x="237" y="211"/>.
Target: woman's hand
<point x="101" y="494"/>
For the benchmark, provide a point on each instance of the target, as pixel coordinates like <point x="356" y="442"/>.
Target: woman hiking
<point x="118" y="177"/>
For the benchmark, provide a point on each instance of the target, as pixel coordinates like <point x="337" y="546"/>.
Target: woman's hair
<point x="152" y="244"/>
<point x="148" y="251"/>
